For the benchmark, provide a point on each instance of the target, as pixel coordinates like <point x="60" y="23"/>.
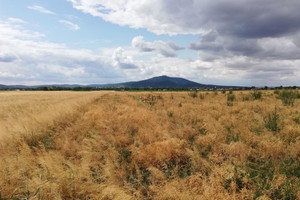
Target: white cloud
<point x="167" y="49"/>
<point x="243" y="18"/>
<point x="41" y="9"/>
<point x="152" y="15"/>
<point x="10" y="29"/>
<point x="26" y="58"/>
<point x="29" y="60"/>
<point x="70" y="25"/>
<point x="16" y="20"/>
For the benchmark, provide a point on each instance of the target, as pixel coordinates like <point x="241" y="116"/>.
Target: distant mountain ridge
<point x="155" y="82"/>
<point x="164" y="82"/>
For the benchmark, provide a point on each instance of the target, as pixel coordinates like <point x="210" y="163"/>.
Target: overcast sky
<point x="227" y="42"/>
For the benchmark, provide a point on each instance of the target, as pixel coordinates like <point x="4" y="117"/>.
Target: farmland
<point x="178" y="145"/>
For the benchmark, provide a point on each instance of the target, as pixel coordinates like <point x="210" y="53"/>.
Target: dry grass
<point x="107" y="145"/>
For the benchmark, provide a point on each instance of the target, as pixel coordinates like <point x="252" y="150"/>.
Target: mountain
<point x="155" y="82"/>
<point x="163" y="82"/>
<point x="13" y="86"/>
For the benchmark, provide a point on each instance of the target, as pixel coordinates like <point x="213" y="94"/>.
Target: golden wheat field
<point x="175" y="145"/>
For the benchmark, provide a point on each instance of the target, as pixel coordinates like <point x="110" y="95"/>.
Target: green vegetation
<point x="193" y="94"/>
<point x="256" y="95"/>
<point x="230" y="98"/>
<point x="272" y="121"/>
<point x="288" y="97"/>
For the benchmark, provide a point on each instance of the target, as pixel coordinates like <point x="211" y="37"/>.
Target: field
<point x="174" y="145"/>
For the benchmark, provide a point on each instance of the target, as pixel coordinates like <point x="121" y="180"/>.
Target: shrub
<point x="297" y="119"/>
<point x="230" y="99"/>
<point x="260" y="173"/>
<point x="276" y="92"/>
<point x="204" y="150"/>
<point x="256" y="94"/>
<point x="193" y="94"/>
<point x="272" y="121"/>
<point x="297" y="95"/>
<point x="290" y="167"/>
<point x="288" y="97"/>
<point x="245" y="98"/>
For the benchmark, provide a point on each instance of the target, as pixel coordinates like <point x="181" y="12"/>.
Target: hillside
<point x="165" y="82"/>
<point x="155" y="82"/>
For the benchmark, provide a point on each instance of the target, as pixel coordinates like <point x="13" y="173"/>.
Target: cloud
<point x="16" y="20"/>
<point x="41" y="9"/>
<point x="229" y="28"/>
<point x="70" y="25"/>
<point x="10" y="30"/>
<point x="214" y="46"/>
<point x="243" y="18"/>
<point x="7" y="57"/>
<point x="121" y="60"/>
<point x="167" y="49"/>
<point x="237" y="38"/>
<point x="27" y="59"/>
<point x="30" y="60"/>
<point x="241" y="42"/>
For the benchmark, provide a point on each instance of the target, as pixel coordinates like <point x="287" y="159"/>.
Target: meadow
<point x="177" y="145"/>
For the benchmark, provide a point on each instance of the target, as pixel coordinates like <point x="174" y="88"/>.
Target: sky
<point x="225" y="42"/>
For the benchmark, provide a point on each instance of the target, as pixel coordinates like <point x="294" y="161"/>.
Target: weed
<point x="272" y="121"/>
<point x="237" y="179"/>
<point x="185" y="169"/>
<point x="290" y="167"/>
<point x="191" y="140"/>
<point x="231" y="136"/>
<point x="193" y="94"/>
<point x="285" y="192"/>
<point x="132" y="178"/>
<point x="48" y="141"/>
<point x="145" y="176"/>
<point x="260" y="173"/>
<point x="256" y="95"/>
<point x="36" y="140"/>
<point x="297" y="119"/>
<point x="124" y="156"/>
<point x="202" y="131"/>
<point x="230" y="99"/>
<point x="204" y="150"/>
<point x="288" y="97"/>
<point x="201" y="96"/>
<point x="180" y="105"/>
<point x="245" y="98"/>
<point x="234" y="137"/>
<point x="277" y="92"/>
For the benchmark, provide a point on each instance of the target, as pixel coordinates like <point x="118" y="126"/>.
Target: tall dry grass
<point x="107" y="145"/>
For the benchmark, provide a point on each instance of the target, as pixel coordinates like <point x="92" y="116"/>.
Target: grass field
<point x="180" y="145"/>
